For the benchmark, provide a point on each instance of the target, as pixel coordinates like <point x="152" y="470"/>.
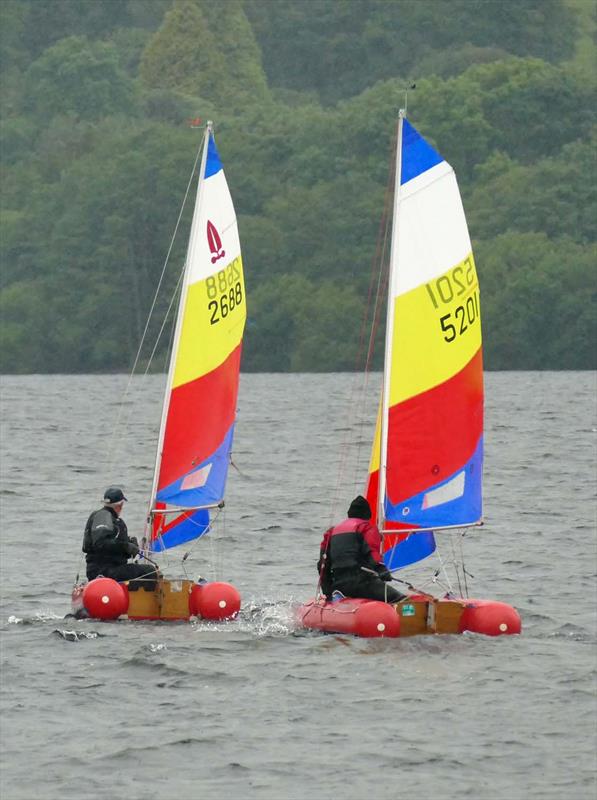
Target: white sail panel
<point x="205" y="257"/>
<point x="432" y="235"/>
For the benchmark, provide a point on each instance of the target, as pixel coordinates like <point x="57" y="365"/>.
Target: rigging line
<point x="220" y="535"/>
<point x="79" y="565"/>
<point x="382" y="282"/>
<point x="385" y="229"/>
<point x="111" y="450"/>
<point x="443" y="568"/>
<point x="166" y="553"/>
<point x="455" y="562"/>
<point x="435" y="581"/>
<point x="213" y="557"/>
<point x="210" y="529"/>
<point x="382" y="261"/>
<point x="379" y="263"/>
<point x="464" y="572"/>
<point x="166" y="315"/>
<point x="420" y="588"/>
<point x="359" y="406"/>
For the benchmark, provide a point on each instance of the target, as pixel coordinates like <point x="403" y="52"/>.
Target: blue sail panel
<point x="213" y="163"/>
<point x="182" y="530"/>
<point x="452" y="502"/>
<point x="204" y="484"/>
<point x="415" y="547"/>
<point x="417" y="155"/>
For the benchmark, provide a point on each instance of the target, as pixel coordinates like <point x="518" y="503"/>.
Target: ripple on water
<point x="258" y="708"/>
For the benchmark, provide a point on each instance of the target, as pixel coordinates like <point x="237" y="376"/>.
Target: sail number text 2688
<point x="224" y="291"/>
<point x="458" y="285"/>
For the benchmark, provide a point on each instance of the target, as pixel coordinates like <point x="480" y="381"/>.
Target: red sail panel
<point x="431" y="435"/>
<point x="199" y="416"/>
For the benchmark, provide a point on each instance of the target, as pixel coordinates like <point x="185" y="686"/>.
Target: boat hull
<point x="417" y="615"/>
<point x="170" y="600"/>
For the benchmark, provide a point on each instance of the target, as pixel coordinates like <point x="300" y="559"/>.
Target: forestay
<point x="427" y="460"/>
<point x="201" y="395"/>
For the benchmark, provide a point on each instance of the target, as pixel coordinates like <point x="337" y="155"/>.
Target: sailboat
<point x="198" y="415"/>
<point x="425" y="473"/>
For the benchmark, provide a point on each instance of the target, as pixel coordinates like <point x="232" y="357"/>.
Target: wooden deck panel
<point x="169" y="600"/>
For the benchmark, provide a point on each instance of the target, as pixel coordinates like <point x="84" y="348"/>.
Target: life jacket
<point x="348" y="547"/>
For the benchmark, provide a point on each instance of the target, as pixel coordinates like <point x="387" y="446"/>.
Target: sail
<point x="201" y="395"/>
<point x="426" y="466"/>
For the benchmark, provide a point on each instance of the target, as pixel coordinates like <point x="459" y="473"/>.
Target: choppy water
<point x="255" y="708"/>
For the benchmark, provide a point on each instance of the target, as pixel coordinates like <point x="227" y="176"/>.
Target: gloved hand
<point x="132" y="548"/>
<point x="386" y="575"/>
<point x="134" y="540"/>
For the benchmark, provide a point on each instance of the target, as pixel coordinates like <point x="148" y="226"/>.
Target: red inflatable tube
<point x="490" y="618"/>
<point x="368" y="618"/>
<point x="104" y="598"/>
<point x="214" y="601"/>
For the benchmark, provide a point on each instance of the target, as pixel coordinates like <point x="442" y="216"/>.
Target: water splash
<point x="76" y="636"/>
<point x="39" y="616"/>
<point x="258" y="618"/>
<point x="268" y="618"/>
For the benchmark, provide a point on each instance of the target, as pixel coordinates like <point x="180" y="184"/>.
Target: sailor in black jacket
<point x="108" y="546"/>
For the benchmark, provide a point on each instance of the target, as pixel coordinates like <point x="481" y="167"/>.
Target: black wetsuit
<point x="108" y="547"/>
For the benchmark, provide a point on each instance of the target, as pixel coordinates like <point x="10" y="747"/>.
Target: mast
<point x="385" y="397"/>
<point x="178" y="328"/>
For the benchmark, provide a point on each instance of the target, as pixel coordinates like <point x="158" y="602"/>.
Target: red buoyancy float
<point x="490" y="618"/>
<point x="360" y="617"/>
<point x="104" y="598"/>
<point x="214" y="601"/>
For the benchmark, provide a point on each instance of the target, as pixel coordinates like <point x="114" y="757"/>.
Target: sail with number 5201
<point x="425" y="472"/>
<point x="426" y="466"/>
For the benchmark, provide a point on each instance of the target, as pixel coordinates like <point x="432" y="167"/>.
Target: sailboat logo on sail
<point x="215" y="242"/>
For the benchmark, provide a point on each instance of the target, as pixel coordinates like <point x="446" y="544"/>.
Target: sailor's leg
<point x="146" y="574"/>
<point x="376" y="589"/>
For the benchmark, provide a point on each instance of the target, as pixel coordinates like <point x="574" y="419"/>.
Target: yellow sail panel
<point x="213" y="323"/>
<point x="376" y="449"/>
<point x="437" y="331"/>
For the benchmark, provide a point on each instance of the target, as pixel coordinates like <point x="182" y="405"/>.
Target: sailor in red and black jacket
<point x="347" y="548"/>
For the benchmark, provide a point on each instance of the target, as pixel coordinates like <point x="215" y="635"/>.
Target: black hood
<point x="359" y="508"/>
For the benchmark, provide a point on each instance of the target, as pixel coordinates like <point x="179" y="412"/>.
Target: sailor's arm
<point x="105" y="534"/>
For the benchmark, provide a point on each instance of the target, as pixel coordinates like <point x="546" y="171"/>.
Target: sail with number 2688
<point x="198" y="416"/>
<point x="200" y="404"/>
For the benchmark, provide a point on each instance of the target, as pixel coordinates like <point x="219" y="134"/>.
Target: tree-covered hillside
<point x="97" y="153"/>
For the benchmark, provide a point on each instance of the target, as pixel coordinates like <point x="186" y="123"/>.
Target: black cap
<point x="360" y="508"/>
<point x="113" y="494"/>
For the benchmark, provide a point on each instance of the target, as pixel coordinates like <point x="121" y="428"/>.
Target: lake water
<point x="258" y="709"/>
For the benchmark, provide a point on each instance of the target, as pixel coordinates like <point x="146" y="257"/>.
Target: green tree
<point x="206" y="51"/>
<point x="301" y="326"/>
<point x="96" y="162"/>
<point x="556" y="195"/>
<point x="341" y="48"/>
<point x="12" y="24"/>
<point x="539" y="302"/>
<point x="79" y="77"/>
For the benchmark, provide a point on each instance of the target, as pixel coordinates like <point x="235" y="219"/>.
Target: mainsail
<point x="200" y="404"/>
<point x="426" y="466"/>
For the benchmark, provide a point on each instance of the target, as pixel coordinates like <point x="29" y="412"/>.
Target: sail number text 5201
<point x="460" y="286"/>
<point x="224" y="291"/>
